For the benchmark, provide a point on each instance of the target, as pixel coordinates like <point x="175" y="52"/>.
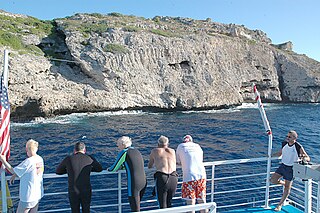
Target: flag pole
<point x="3" y="173"/>
<point x="269" y="133"/>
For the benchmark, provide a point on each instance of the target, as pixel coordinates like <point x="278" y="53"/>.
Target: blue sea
<point x="223" y="134"/>
<point x="226" y="134"/>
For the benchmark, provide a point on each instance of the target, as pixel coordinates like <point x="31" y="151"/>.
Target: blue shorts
<point x="285" y="171"/>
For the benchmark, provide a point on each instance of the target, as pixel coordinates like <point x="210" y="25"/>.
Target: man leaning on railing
<point x="291" y="151"/>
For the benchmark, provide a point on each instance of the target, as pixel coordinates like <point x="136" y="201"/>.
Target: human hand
<point x="2" y="158"/>
<point x="12" y="179"/>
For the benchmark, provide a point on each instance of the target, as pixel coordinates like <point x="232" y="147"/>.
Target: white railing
<point x="231" y="184"/>
<point x="211" y="207"/>
<point x="304" y="195"/>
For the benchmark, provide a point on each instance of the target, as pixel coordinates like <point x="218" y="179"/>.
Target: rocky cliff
<point x="94" y="62"/>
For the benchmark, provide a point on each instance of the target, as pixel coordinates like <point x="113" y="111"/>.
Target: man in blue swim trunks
<point x="291" y="151"/>
<point x="132" y="160"/>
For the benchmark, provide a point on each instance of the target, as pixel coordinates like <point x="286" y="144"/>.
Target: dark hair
<point x="79" y="146"/>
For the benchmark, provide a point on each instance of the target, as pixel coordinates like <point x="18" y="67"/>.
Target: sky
<point x="297" y="21"/>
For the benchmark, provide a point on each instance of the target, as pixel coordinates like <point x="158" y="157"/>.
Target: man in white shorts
<point x="190" y="156"/>
<point x="30" y="172"/>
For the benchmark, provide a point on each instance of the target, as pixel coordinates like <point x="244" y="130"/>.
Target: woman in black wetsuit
<point x="131" y="159"/>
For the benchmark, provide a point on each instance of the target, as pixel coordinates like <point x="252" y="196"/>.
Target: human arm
<point x="62" y="168"/>
<point x="13" y="177"/>
<point x="6" y="164"/>
<point x="151" y="160"/>
<point x="277" y="154"/>
<point x="304" y="155"/>
<point x="178" y="160"/>
<point x="96" y="166"/>
<point x="121" y="158"/>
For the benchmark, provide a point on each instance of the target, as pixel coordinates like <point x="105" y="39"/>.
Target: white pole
<point x="318" y="198"/>
<point x="269" y="133"/>
<point x="308" y="196"/>
<point x="3" y="173"/>
<point x="5" y="67"/>
<point x="212" y="182"/>
<point x="119" y="193"/>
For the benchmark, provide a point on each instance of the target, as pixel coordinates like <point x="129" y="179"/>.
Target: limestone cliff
<point x="93" y="62"/>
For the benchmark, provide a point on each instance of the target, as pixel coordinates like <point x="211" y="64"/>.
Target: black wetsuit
<point x="166" y="185"/>
<point x="133" y="162"/>
<point x="79" y="167"/>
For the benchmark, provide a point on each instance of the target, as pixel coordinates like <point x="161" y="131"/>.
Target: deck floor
<point x="285" y="209"/>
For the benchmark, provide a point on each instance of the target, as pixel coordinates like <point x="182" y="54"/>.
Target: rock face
<point x="154" y="65"/>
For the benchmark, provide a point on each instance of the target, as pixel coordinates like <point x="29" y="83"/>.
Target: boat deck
<point x="285" y="209"/>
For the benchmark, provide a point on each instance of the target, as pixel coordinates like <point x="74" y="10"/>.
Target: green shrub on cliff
<point x="13" y="28"/>
<point x="10" y="40"/>
<point x="162" y="33"/>
<point x="115" y="48"/>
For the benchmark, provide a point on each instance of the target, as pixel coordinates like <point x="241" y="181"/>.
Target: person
<point x="131" y="159"/>
<point x="78" y="166"/>
<point x="30" y="171"/>
<point x="166" y="177"/>
<point x="190" y="156"/>
<point x="291" y="151"/>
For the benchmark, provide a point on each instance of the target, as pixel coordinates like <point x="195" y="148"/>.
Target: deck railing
<point x="231" y="184"/>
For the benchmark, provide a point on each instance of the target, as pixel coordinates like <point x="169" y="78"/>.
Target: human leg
<point x="34" y="209"/>
<point x="85" y="200"/>
<point x="134" y="203"/>
<point x="27" y="207"/>
<point x="188" y="193"/>
<point x="74" y="202"/>
<point x="172" y="186"/>
<point x="161" y="189"/>
<point x="275" y="179"/>
<point x="286" y="192"/>
<point x="21" y="208"/>
<point x="191" y="202"/>
<point x="201" y="192"/>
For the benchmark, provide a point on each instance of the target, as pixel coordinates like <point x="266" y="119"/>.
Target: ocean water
<point x="223" y="134"/>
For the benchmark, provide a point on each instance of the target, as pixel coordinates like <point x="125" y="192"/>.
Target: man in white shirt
<point x="190" y="156"/>
<point x="30" y="171"/>
<point x="291" y="151"/>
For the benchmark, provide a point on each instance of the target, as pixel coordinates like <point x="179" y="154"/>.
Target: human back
<point x="135" y="164"/>
<point x="164" y="159"/>
<point x="79" y="171"/>
<point x="166" y="177"/>
<point x="190" y="155"/>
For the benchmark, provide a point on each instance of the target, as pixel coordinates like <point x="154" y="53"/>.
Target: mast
<point x="269" y="133"/>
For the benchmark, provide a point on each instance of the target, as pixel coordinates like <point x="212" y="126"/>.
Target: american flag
<point x="5" y="120"/>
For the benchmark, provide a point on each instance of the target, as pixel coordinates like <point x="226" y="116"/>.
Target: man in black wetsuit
<point x="131" y="159"/>
<point x="166" y="178"/>
<point x="79" y="166"/>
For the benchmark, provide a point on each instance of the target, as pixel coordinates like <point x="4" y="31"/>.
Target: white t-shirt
<point x="30" y="172"/>
<point x="190" y="155"/>
<point x="290" y="154"/>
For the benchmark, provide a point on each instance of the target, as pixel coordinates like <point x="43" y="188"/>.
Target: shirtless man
<point x="166" y="178"/>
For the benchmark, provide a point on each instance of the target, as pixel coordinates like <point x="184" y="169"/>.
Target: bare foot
<point x="278" y="208"/>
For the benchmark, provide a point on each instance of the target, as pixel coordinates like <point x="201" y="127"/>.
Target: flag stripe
<point x="5" y="120"/>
